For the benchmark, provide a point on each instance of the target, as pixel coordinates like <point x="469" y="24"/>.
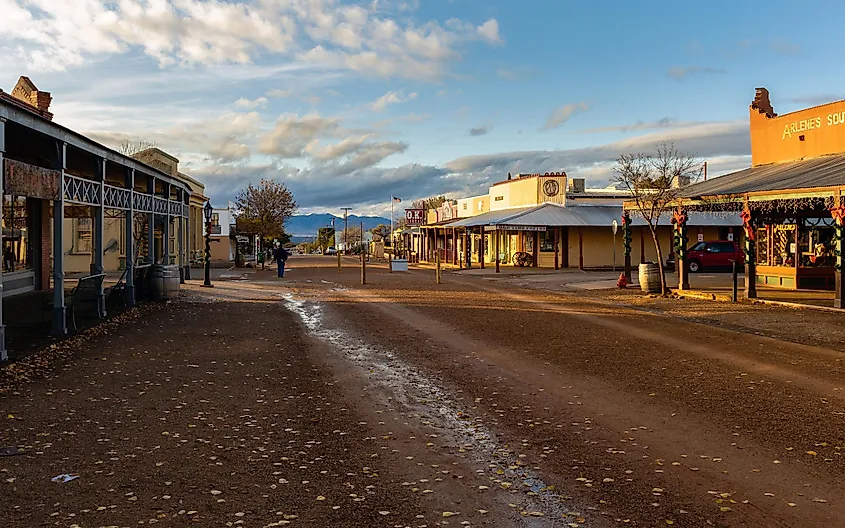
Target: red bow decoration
<point x="838" y="214"/>
<point x="625" y="219"/>
<point x="679" y="219"/>
<point x="746" y="224"/>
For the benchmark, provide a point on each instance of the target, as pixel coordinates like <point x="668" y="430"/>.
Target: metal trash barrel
<point x="165" y="283"/>
<point x="649" y="277"/>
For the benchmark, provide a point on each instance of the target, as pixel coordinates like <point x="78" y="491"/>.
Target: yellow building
<point x="546" y="220"/>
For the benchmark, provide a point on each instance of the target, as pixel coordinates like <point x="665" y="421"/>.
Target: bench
<point x="120" y="288"/>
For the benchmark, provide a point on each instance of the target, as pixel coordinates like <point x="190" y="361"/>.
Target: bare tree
<point x="432" y="202"/>
<point x="263" y="209"/>
<point x="655" y="181"/>
<point x="128" y="147"/>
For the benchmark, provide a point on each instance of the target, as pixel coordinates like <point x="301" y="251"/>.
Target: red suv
<point x="715" y="254"/>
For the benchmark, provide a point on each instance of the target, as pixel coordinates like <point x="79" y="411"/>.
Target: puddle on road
<point x="439" y="410"/>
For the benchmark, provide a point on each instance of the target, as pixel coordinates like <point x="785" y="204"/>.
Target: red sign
<point x="415" y="217"/>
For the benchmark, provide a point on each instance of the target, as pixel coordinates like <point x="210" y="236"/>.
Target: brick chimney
<point x="26" y="91"/>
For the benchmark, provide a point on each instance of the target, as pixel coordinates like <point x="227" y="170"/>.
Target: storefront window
<point x="547" y="241"/>
<point x="17" y="246"/>
<point x="762" y="245"/>
<point x="783" y="245"/>
<point x="815" y="243"/>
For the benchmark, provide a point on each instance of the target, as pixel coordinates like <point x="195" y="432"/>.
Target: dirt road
<point x="315" y="401"/>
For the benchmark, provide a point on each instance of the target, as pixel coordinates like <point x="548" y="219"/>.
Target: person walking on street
<point x="280" y="255"/>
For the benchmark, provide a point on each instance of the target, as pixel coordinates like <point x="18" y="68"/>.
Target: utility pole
<point x="345" y="226"/>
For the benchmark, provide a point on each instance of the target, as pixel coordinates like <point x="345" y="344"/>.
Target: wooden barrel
<point x="650" y="277"/>
<point x="165" y="283"/>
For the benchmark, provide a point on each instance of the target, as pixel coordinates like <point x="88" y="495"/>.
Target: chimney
<point x="509" y="176"/>
<point x="26" y="92"/>
<point x="577" y="185"/>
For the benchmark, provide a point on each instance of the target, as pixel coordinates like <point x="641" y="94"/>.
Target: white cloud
<point x="562" y="114"/>
<point x="52" y="35"/>
<point x="258" y="102"/>
<point x="390" y="98"/>
<point x="278" y="93"/>
<point x="489" y="31"/>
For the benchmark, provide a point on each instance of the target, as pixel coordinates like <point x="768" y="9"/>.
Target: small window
<point x="499" y="198"/>
<point x="465" y="206"/>
<point x="480" y="205"/>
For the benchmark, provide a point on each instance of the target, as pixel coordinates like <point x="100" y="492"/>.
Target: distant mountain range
<point x="299" y="226"/>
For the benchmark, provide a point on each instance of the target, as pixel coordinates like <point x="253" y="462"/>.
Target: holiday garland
<point x="679" y="231"/>
<point x="626" y="233"/>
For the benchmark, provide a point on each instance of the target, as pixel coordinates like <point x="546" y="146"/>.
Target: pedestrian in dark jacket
<point x="280" y="255"/>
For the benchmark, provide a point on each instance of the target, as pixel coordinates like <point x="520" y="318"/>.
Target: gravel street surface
<point x="316" y="401"/>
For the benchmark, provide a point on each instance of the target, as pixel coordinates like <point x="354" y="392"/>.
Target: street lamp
<point x="207" y="210"/>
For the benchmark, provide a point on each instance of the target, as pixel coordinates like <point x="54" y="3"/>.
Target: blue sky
<point x="349" y="102"/>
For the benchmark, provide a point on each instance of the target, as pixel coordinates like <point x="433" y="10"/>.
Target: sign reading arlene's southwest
<point x="414" y="217"/>
<point x="812" y="123"/>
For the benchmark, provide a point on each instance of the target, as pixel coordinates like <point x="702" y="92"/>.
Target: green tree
<point x="432" y="202"/>
<point x="263" y="209"/>
<point x="381" y="231"/>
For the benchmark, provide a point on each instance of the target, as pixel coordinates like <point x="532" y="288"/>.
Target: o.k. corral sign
<point x="414" y="217"/>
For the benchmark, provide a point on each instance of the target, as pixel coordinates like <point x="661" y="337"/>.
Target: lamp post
<point x="207" y="210"/>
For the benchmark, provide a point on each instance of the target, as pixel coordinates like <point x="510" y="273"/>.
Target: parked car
<point x="331" y="250"/>
<point x="713" y="254"/>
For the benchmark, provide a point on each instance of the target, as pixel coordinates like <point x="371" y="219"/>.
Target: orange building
<point x="809" y="133"/>
<point x="792" y="199"/>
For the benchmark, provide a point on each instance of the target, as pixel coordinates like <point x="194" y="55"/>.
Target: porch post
<point x="165" y="230"/>
<point x="187" y="223"/>
<point x="99" y="224"/>
<point x="626" y="242"/>
<point x="481" y="247"/>
<point x="496" y="248"/>
<point x="151" y="228"/>
<point x="4" y="356"/>
<point x="467" y="249"/>
<point x="580" y="250"/>
<point x="750" y="256"/>
<point x="681" y="242"/>
<point x="839" y="252"/>
<point x="180" y="241"/>
<point x="454" y="246"/>
<point x="59" y="323"/>
<point x="557" y="248"/>
<point x="130" y="240"/>
<point x="536" y="249"/>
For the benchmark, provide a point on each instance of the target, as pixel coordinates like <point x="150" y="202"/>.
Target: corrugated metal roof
<point x="489" y="217"/>
<point x="827" y="171"/>
<point x="553" y="215"/>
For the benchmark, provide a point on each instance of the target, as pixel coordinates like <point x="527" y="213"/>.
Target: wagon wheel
<point x="522" y="259"/>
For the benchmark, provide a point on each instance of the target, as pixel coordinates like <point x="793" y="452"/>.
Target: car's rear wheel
<point x="694" y="266"/>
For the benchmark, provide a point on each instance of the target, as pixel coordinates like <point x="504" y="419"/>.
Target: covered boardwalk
<point x="555" y="236"/>
<point x="792" y="216"/>
<point x="50" y="173"/>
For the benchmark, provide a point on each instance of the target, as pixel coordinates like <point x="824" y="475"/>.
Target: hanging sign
<point x="506" y="227"/>
<point x="414" y="217"/>
<point x="23" y="179"/>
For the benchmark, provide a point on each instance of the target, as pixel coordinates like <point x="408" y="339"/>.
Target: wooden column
<point x="99" y="224"/>
<point x="536" y="252"/>
<point x="131" y="243"/>
<point x="564" y="247"/>
<point x="496" y="248"/>
<point x="557" y="248"/>
<point x="839" y="299"/>
<point x="580" y="249"/>
<point x="59" y="312"/>
<point x="750" y="265"/>
<point x="626" y="243"/>
<point x="454" y="246"/>
<point x="467" y="249"/>
<point x="4" y="356"/>
<point x="680" y="258"/>
<point x="481" y="242"/>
